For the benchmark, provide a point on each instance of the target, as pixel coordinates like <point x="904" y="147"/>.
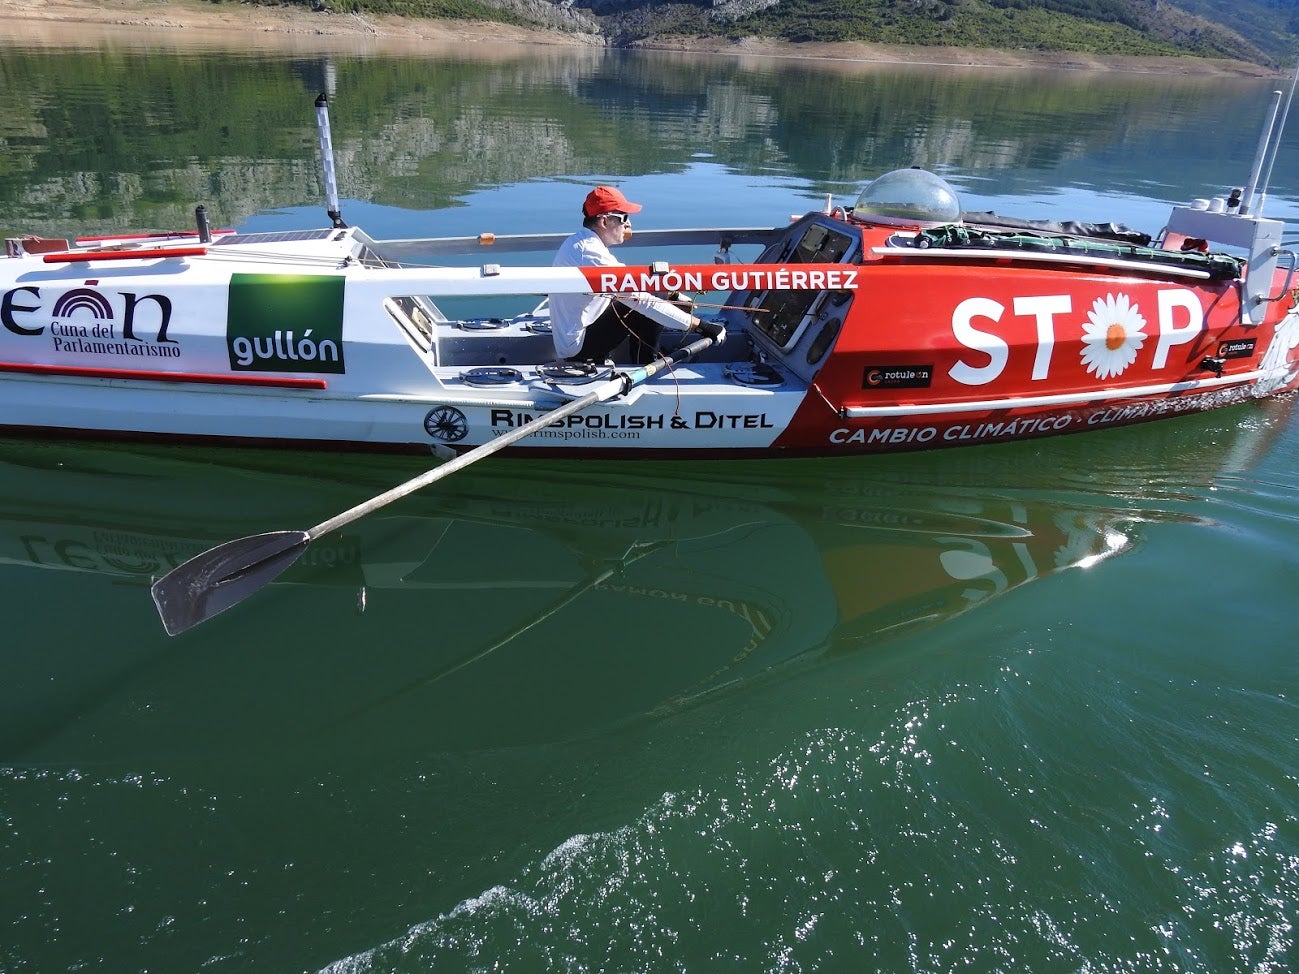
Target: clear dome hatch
<point x="908" y="197"/>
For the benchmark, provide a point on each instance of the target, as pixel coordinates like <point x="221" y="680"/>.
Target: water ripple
<point x="909" y="848"/>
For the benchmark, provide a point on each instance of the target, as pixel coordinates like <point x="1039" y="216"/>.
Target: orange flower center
<point x="1115" y="336"/>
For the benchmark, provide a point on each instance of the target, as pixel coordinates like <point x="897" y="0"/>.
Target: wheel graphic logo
<point x="446" y="423"/>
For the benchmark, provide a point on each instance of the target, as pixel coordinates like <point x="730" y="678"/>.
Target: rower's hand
<point x="711" y="329"/>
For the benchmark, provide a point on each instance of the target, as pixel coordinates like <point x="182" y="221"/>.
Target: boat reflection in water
<point x="521" y="602"/>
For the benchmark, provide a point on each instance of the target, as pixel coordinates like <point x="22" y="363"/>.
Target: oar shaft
<point x="451" y="466"/>
<point x="638" y="375"/>
<point x="724" y="307"/>
<point x="607" y="390"/>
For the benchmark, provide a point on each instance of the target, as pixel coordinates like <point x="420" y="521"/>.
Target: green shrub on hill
<point x="1090" y="26"/>
<point x="429" y="9"/>
<point x="1102" y="27"/>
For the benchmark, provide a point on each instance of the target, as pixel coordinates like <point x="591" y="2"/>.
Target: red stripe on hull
<point x="202" y="378"/>
<point x="818" y="428"/>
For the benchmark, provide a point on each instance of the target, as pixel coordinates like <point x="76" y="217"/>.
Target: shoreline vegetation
<point x="199" y="23"/>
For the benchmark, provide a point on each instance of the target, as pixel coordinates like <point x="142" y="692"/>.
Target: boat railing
<point x="414" y="250"/>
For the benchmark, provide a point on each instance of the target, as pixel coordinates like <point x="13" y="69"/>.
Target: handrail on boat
<point x="537" y="242"/>
<point x="152" y="253"/>
<point x="1029" y="257"/>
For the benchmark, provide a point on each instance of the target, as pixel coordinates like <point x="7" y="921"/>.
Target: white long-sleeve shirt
<point x="572" y="314"/>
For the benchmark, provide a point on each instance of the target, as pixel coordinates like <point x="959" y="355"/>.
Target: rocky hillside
<point x="1272" y="25"/>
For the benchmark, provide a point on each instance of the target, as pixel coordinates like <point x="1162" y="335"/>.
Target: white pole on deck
<point x="1247" y="199"/>
<point x="327" y="160"/>
<point x="1276" y="143"/>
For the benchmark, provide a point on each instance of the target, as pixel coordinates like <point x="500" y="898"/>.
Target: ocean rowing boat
<point x="898" y="323"/>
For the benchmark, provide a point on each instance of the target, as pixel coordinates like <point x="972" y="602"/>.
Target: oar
<point x="691" y="303"/>
<point x="221" y="577"/>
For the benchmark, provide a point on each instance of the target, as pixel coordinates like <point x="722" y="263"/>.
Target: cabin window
<point x="784" y="312"/>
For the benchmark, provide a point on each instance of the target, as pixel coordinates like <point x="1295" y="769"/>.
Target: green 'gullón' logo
<point x="285" y="323"/>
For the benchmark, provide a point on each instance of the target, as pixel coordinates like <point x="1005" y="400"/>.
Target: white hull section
<point x="688" y="413"/>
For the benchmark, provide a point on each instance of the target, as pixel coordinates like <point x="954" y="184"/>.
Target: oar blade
<point x="211" y="582"/>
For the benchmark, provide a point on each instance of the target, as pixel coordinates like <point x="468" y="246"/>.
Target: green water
<point x="1027" y="707"/>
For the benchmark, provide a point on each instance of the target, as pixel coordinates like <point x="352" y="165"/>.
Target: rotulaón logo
<point x="285" y="323"/>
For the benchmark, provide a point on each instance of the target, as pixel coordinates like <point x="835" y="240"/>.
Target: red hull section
<point x="940" y="349"/>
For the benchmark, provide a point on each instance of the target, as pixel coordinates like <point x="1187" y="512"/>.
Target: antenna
<point x="327" y="160"/>
<point x="1276" y="146"/>
<point x="1247" y="201"/>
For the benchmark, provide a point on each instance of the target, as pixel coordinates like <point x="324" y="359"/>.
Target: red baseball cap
<point x="607" y="199"/>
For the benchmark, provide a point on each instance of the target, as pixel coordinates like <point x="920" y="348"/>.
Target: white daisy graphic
<point x="1112" y="335"/>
